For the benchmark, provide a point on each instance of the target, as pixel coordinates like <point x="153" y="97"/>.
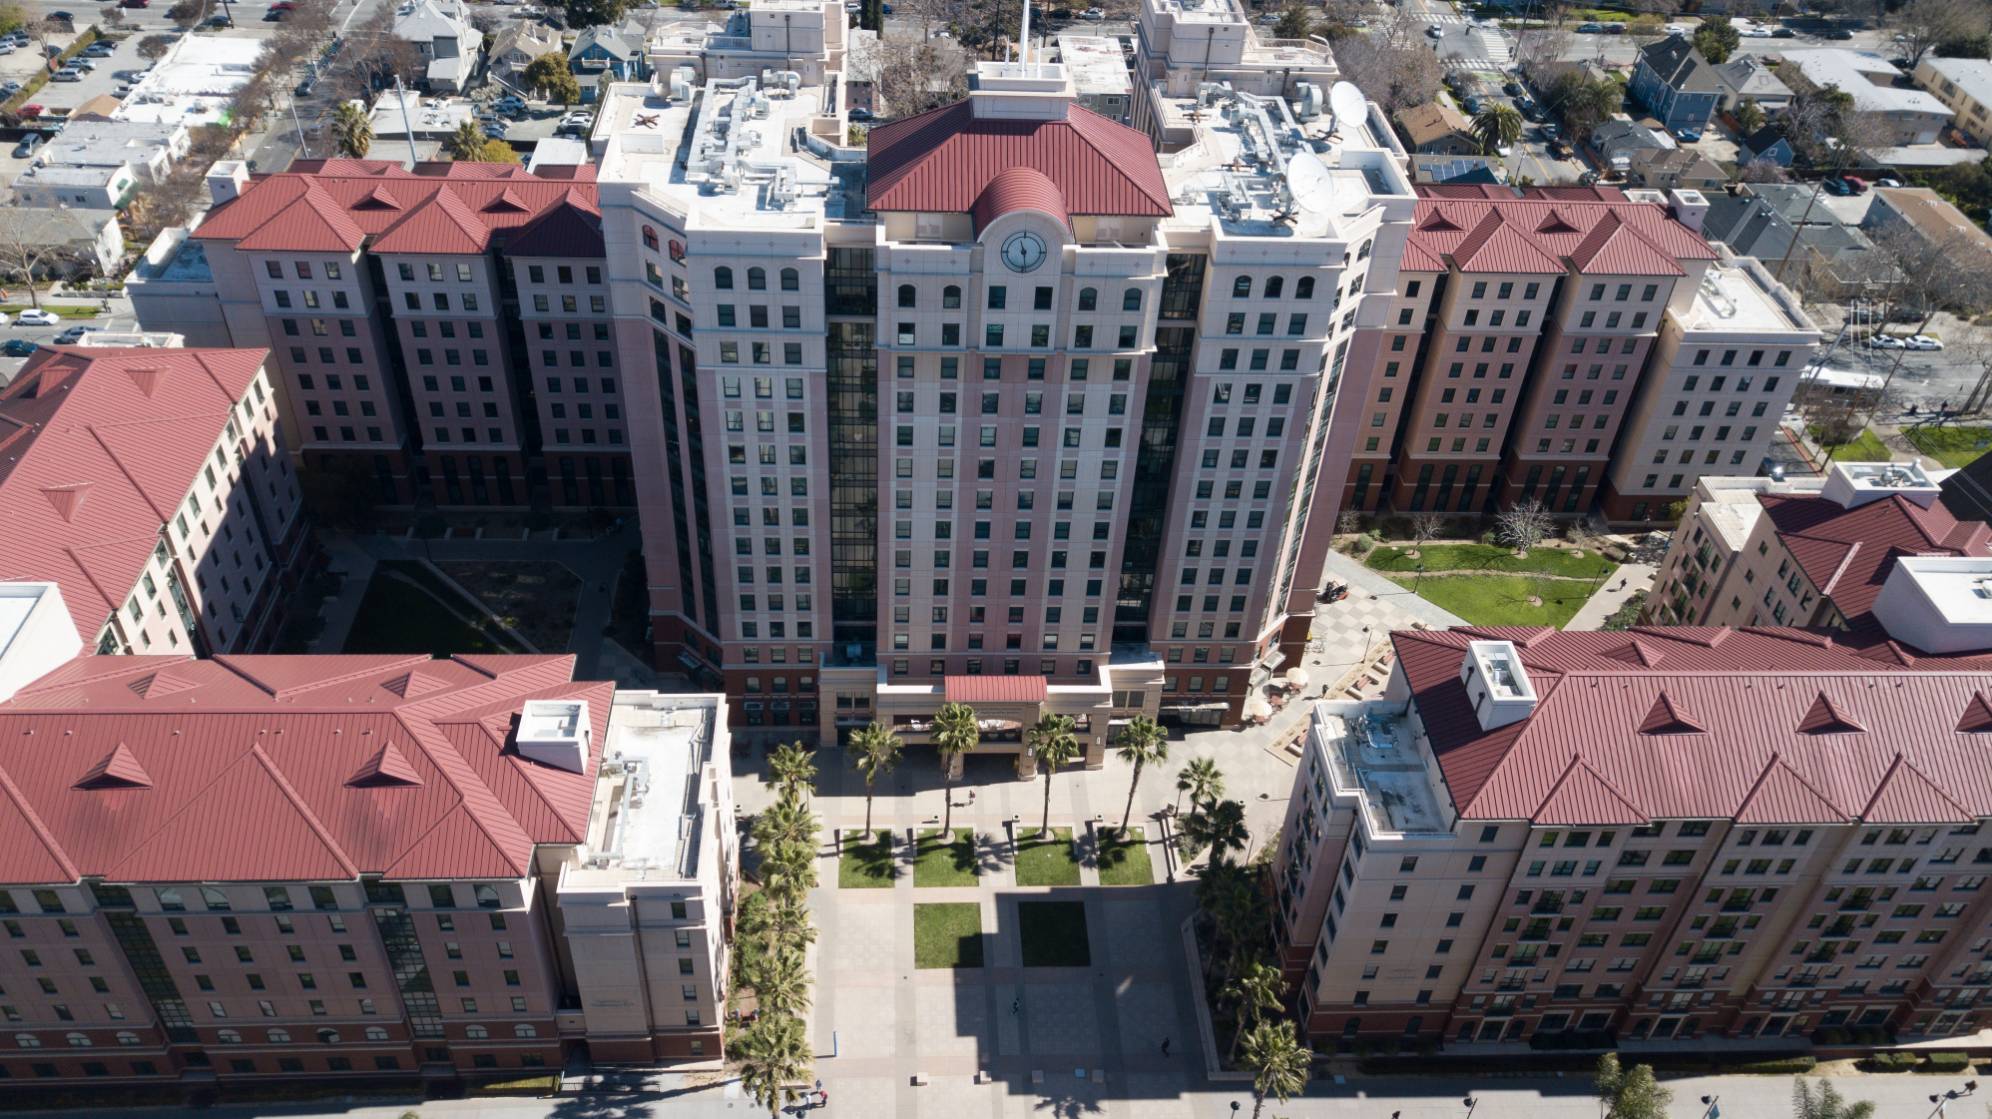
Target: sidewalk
<point x="1620" y="585"/>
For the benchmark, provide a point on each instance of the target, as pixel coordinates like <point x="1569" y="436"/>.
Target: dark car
<point x="217" y="22"/>
<point x="1784" y="33"/>
<point x="1838" y="33"/>
<point x="61" y="17"/>
<point x="1512" y="89"/>
<point x="28" y="144"/>
<point x="1560" y="150"/>
<point x="18" y="347"/>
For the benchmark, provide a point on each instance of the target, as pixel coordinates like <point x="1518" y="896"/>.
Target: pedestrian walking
<point x="1165" y="1047"/>
<point x="1622" y="583"/>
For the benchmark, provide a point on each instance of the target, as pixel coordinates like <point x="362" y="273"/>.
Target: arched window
<point x="126" y="1037"/>
<point x="328" y="1037"/>
<point x="1303" y="288"/>
<point x="487" y="896"/>
<point x="1363" y="253"/>
<point x="650" y="238"/>
<point x="78" y="1040"/>
<point x="791" y="280"/>
<point x="1274" y="286"/>
<point x="169" y="900"/>
<point x="525" y="1031"/>
<point x="1089" y="299"/>
<point x="476" y="1033"/>
<point x="1131" y="299"/>
<point x="951" y="298"/>
<point x="279" y="1036"/>
<point x="376" y="1033"/>
<point x="1241" y="288"/>
<point x="907" y="296"/>
<point x="722" y="278"/>
<point x="757" y="279"/>
<point x="226" y="1037"/>
<point x="214" y="899"/>
<point x="27" y="1041"/>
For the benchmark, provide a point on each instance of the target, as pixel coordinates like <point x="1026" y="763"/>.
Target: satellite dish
<point x="1346" y="102"/>
<point x="1310" y="182"/>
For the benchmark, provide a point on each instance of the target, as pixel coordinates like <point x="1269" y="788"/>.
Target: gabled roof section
<point x="1541" y="228"/>
<point x="941" y="160"/>
<point x="1847" y="554"/>
<point x="309" y="222"/>
<point x="1614" y="248"/>
<point x="1642" y="653"/>
<point x="1496" y="246"/>
<point x="1977" y="717"/>
<point x="571" y="228"/>
<point x="1906" y="796"/>
<point x="1666" y="718"/>
<point x="1825" y="717"/>
<point x="1781" y="796"/>
<point x="443" y="224"/>
<point x="388" y="768"/>
<point x="1580" y="796"/>
<point x="119" y="769"/>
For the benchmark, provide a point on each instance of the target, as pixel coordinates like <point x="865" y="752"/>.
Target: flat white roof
<point x="1737" y="297"/>
<point x="1856" y="74"/>
<point x="652" y="757"/>
<point x="1959" y="587"/>
<point x="1096" y="64"/>
<point x="193" y="82"/>
<point x="1972" y="75"/>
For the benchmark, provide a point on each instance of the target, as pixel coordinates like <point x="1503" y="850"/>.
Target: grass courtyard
<point x="1865" y="447"/>
<point x="867" y="864"/>
<point x="1952" y="446"/>
<point x="1046" y="862"/>
<point x="1124" y="859"/>
<point x="947" y="935"/>
<point x="1053" y="933"/>
<point x="1502" y="600"/>
<point x="1488" y="558"/>
<point x="404" y="611"/>
<point x="942" y="861"/>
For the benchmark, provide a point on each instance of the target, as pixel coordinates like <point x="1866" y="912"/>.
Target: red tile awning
<point x="995" y="689"/>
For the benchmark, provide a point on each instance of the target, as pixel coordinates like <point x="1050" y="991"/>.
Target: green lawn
<point x="941" y="863"/>
<point x="1866" y="448"/>
<point x="947" y="935"/>
<point x="398" y="617"/>
<point x="1042" y="863"/>
<point x="866" y="865"/>
<point x="1124" y="861"/>
<point x="1053" y="933"/>
<point x="59" y="310"/>
<point x="1952" y="446"/>
<point x="1485" y="557"/>
<point x="1502" y="600"/>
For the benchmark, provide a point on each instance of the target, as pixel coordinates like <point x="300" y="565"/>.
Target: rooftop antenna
<point x="1024" y="44"/>
<point x="408" y="126"/>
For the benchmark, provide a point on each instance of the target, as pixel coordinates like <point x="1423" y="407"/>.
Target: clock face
<point x="1023" y="252"/>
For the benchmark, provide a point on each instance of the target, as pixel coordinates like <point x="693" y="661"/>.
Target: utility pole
<point x="408" y="125"/>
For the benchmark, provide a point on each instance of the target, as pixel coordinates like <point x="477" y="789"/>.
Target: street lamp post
<point x="1419" y="578"/>
<point x="1470" y="1103"/>
<point x="1714" y="1109"/>
<point x="1943" y="1101"/>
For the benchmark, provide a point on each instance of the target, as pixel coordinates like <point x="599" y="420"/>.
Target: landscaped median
<point x="1490" y="585"/>
<point x="947" y="935"/>
<point x="867" y="863"/>
<point x="1045" y="861"/>
<point x="1952" y="446"/>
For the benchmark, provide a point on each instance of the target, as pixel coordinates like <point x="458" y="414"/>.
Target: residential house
<point x="1769" y="143"/>
<point x="514" y="48"/>
<point x="1664" y="169"/>
<point x="606" y="54"/>
<point x="1436" y="128"/>
<point x="1965" y="85"/>
<point x="1830" y="260"/>
<point x="441" y="31"/>
<point x="1901" y="114"/>
<point x="1673" y="79"/>
<point x="1749" y="78"/>
<point x="148" y="150"/>
<point x="1617" y="139"/>
<point x="1457" y="169"/>
<point x="1925" y="214"/>
<point x="71" y="241"/>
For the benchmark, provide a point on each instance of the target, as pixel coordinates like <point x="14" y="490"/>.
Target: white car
<point x="1677" y="29"/>
<point x="1885" y="342"/>
<point x="5" y="318"/>
<point x="1923" y="342"/>
<point x="1756" y="32"/>
<point x="37" y="317"/>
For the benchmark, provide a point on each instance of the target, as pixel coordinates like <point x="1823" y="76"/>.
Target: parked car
<point x="1783" y="33"/>
<point x="1888" y="182"/>
<point x="860" y="114"/>
<point x="1687" y="134"/>
<point x="66" y="75"/>
<point x="1923" y="342"/>
<point x="61" y="17"/>
<point x="1677" y="29"/>
<point x="1837" y="187"/>
<point x="100" y="49"/>
<point x="29" y="111"/>
<point x="1093" y="14"/>
<point x="17" y="347"/>
<point x="1590" y="29"/>
<point x="1561" y="150"/>
<point x="9" y="88"/>
<point x="82" y="62"/>
<point x="36" y="317"/>
<point x="1838" y="34"/>
<point x="1436" y="31"/>
<point x="1885" y="342"/>
<point x="1855" y="184"/>
<point x="1615" y="28"/>
<point x="8" y="47"/>
<point x="28" y="144"/>
<point x="68" y="337"/>
<point x="217" y="22"/>
<point x="1512" y="89"/>
<point x="510" y="105"/>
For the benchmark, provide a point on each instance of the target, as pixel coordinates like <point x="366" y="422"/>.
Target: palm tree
<point x="1201" y="779"/>
<point x="792" y="767"/>
<point x="352" y="131"/>
<point x="783" y="985"/>
<point x="1256" y="992"/>
<point x="466" y="143"/>
<point x="874" y="750"/>
<point x="1053" y="744"/>
<point x="1826" y="1102"/>
<point x="1497" y="126"/>
<point x="785" y="822"/>
<point x="774" y="1057"/>
<point x="1141" y="741"/>
<point x="1280" y="1064"/>
<point x="1220" y="827"/>
<point x="956" y="732"/>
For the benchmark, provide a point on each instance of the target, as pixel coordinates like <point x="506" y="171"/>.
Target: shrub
<point x="1491" y="537"/>
<point x="1786" y="1066"/>
<point x="1946" y="1062"/>
<point x="1362" y="545"/>
<point x="1897" y="1061"/>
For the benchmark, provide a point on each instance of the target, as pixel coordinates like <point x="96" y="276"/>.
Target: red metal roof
<point x="995" y="689"/>
<point x="1485" y="228"/>
<point x="1848" y="553"/>
<point x="335" y="205"/>
<point x="1604" y="729"/>
<point x="97" y="450"/>
<point x="941" y="160"/>
<point x="285" y="768"/>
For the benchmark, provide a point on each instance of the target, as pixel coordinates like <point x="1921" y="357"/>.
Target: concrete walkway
<point x="1620" y="585"/>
